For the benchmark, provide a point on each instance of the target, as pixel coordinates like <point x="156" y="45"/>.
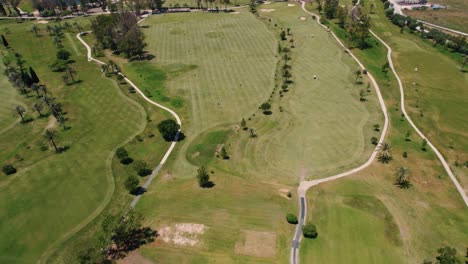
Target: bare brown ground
<point x="257" y="244"/>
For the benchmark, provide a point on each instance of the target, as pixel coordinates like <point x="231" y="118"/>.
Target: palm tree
<point x="35" y="87"/>
<point x="71" y="72"/>
<point x="38" y="107"/>
<point x="50" y="135"/>
<point x="35" y="29"/>
<point x="61" y="119"/>
<point x="386" y="146"/>
<point x="20" y="111"/>
<point x="385" y="157"/>
<point x="402" y="177"/>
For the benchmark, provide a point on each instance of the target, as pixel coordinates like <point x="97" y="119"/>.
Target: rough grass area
<point x="9" y="98"/>
<point x="454" y="17"/>
<point x="52" y="196"/>
<point x="429" y="215"/>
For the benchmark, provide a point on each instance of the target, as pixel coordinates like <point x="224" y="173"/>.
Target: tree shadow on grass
<point x="208" y="185"/>
<point x="138" y="191"/>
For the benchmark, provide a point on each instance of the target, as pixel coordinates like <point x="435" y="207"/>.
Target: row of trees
<point x="120" y="33"/>
<point x="453" y="42"/>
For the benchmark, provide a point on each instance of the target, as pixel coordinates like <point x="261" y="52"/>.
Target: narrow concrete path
<point x="174" y="114"/>
<point x="305" y="185"/>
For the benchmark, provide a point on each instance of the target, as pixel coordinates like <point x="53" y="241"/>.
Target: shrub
<point x="405" y="154"/>
<point x="131" y="183"/>
<point x="121" y="153"/>
<point x="126" y="160"/>
<point x="63" y="55"/>
<point x="8" y="169"/>
<point x="292" y="219"/>
<point x="309" y="230"/>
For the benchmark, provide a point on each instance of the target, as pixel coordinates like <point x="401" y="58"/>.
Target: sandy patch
<point x="42" y="22"/>
<point x="257" y="244"/>
<point x="234" y="13"/>
<point x="183" y="234"/>
<point x="266" y="2"/>
<point x="303" y="18"/>
<point x="52" y="122"/>
<point x="196" y="154"/>
<point x="133" y="258"/>
<point x="235" y="128"/>
<point x="267" y="10"/>
<point x="291" y="5"/>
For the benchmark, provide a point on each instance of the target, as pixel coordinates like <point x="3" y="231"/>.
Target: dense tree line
<point x="120" y="33"/>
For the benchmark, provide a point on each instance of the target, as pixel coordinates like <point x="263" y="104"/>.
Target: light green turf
<point x="204" y="4"/>
<point x="54" y="195"/>
<point x="9" y="98"/>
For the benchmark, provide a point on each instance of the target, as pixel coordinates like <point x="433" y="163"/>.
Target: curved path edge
<point x="173" y="113"/>
<point x="305" y="185"/>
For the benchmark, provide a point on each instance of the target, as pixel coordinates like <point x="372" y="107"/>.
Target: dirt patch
<point x="52" y="122"/>
<point x="42" y="22"/>
<point x="257" y="244"/>
<point x="235" y="128"/>
<point x="134" y="258"/>
<point x="267" y="3"/>
<point x="234" y="13"/>
<point x="182" y="234"/>
<point x="303" y="18"/>
<point x="196" y="154"/>
<point x="267" y="10"/>
<point x="291" y="5"/>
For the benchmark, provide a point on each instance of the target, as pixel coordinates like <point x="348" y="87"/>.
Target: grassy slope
<point x="428" y="216"/>
<point x="9" y="97"/>
<point x="454" y="17"/>
<point x="54" y="194"/>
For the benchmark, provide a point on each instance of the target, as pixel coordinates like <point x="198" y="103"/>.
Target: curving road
<point x="305" y="185"/>
<point x="174" y="114"/>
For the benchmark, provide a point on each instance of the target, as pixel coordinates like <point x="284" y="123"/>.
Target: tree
<point x="424" y="145"/>
<point x="464" y="62"/>
<point x="266" y="108"/>
<point x="447" y="255"/>
<point x="309" y="230"/>
<point x="360" y="30"/>
<point x="376" y="127"/>
<point x="50" y="135"/>
<point x="131" y="183"/>
<point x="331" y="7"/>
<point x="402" y="177"/>
<point x="5" y="42"/>
<point x="342" y="15"/>
<point x="63" y="55"/>
<point x="33" y="74"/>
<point x="203" y="177"/>
<point x="374" y="141"/>
<point x="243" y="123"/>
<point x="8" y="169"/>
<point x="358" y="74"/>
<point x="292" y="219"/>
<point x="20" y="111"/>
<point x="169" y="129"/>
<point x="35" y="29"/>
<point x="141" y="168"/>
<point x="121" y="153"/>
<point x="408" y="135"/>
<point x="71" y="73"/>
<point x="36" y="88"/>
<point x="224" y="153"/>
<point x="61" y="119"/>
<point x="283" y="35"/>
<point x="38" y="107"/>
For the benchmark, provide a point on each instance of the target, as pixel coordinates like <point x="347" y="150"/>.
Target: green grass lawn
<point x="9" y="98"/>
<point x="214" y="70"/>
<point x="52" y="196"/>
<point x="429" y="215"/>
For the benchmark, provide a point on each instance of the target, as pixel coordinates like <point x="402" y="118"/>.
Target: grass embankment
<point x="222" y="67"/>
<point x="52" y="196"/>
<point x="429" y="215"/>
